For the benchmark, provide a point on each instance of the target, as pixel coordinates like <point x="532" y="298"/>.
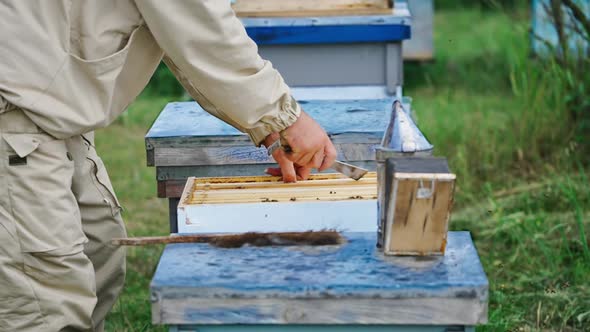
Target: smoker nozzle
<point x="402" y="136"/>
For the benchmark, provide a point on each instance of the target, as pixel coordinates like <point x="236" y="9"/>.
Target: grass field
<point x="522" y="190"/>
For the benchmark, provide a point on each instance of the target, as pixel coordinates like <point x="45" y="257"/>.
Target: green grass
<point x="535" y="253"/>
<point x="502" y="121"/>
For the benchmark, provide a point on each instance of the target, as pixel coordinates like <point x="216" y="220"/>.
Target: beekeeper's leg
<point x="101" y="221"/>
<point x="46" y="281"/>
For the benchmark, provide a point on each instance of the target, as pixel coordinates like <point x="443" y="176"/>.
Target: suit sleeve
<point x="209" y="51"/>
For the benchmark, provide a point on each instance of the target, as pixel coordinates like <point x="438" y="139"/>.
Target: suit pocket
<point x="108" y="64"/>
<point x="101" y="180"/>
<point x="43" y="206"/>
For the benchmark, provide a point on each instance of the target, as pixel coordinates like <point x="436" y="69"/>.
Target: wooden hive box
<point x="290" y="8"/>
<point x="186" y="141"/>
<point x="415" y="209"/>
<point x="266" y="204"/>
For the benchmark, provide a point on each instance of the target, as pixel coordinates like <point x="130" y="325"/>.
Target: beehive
<point x="266" y="204"/>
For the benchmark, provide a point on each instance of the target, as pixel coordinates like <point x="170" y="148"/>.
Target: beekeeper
<point x="69" y="67"/>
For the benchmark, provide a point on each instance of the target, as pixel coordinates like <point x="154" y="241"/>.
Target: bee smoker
<point x="401" y="139"/>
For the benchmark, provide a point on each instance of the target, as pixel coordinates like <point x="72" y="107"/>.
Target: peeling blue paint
<point x="352" y="270"/>
<point x="189" y="119"/>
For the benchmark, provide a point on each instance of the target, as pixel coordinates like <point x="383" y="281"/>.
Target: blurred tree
<point x="164" y="83"/>
<point x="571" y="21"/>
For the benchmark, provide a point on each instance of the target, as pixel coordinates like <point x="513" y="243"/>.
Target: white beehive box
<point x="266" y="204"/>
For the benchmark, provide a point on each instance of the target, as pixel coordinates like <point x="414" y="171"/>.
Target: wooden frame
<point x="266" y="204"/>
<point x="291" y="8"/>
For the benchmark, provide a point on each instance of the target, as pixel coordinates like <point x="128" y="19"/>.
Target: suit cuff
<point x="287" y="115"/>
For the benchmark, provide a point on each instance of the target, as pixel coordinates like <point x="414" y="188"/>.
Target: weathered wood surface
<point x="348" y="284"/>
<point x="353" y="116"/>
<point x="184" y="134"/>
<point x="313" y="311"/>
<point x="183" y="172"/>
<point x="170" y="188"/>
<point x="400" y="16"/>
<point x="287" y="8"/>
<point x="227" y="155"/>
<point x="416" y="206"/>
<point x="420" y="225"/>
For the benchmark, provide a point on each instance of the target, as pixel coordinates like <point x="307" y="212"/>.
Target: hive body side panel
<point x="285" y="311"/>
<point x="420" y="225"/>
<point x="349" y="216"/>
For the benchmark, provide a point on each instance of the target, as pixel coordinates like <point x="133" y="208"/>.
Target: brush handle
<point x="313" y="238"/>
<point x="140" y="241"/>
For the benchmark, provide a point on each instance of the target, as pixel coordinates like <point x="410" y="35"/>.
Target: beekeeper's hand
<point x="305" y="147"/>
